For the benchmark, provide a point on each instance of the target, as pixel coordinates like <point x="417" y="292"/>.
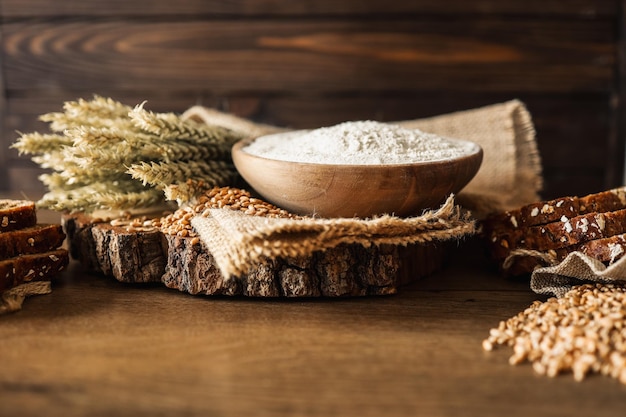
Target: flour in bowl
<point x="358" y="143"/>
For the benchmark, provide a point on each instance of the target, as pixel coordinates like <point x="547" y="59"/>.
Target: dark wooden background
<point x="311" y="63"/>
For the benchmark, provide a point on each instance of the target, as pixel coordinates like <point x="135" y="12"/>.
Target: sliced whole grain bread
<point x="532" y="215"/>
<point x="33" y="267"/>
<point x="16" y="214"/>
<point x="545" y="212"/>
<point x="556" y="223"/>
<point x="606" y="250"/>
<point x="559" y="234"/>
<point x="34" y="239"/>
<point x="546" y="232"/>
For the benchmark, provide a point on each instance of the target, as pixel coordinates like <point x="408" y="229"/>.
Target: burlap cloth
<point x="576" y="269"/>
<point x="510" y="176"/>
<point x="237" y="241"/>
<point x="11" y="300"/>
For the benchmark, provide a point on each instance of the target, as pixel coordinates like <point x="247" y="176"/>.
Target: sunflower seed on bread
<point x="545" y="212"/>
<point x="34" y="267"/>
<point x="29" y="240"/>
<point x="552" y="229"/>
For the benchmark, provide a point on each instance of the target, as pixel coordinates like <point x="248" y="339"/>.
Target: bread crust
<point x="35" y="239"/>
<point x="16" y="214"/>
<point x="594" y="224"/>
<point x="34" y="267"/>
<point x="549" y="211"/>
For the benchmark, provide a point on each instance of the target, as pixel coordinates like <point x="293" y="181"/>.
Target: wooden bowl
<point x="327" y="190"/>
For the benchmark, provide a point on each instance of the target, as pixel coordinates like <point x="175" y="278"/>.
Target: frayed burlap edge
<point x="576" y="269"/>
<point x="11" y="300"/>
<point x="510" y="175"/>
<point x="555" y="278"/>
<point x="238" y="241"/>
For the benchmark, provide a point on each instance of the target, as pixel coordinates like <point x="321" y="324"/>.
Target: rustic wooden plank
<point x="313" y="57"/>
<point x="4" y="183"/>
<point x="45" y="8"/>
<point x="570" y="116"/>
<point x="139" y="350"/>
<point x="572" y="131"/>
<point x="565" y="124"/>
<point x="617" y="135"/>
<point x="561" y="182"/>
<point x="144" y="350"/>
<point x="25" y="180"/>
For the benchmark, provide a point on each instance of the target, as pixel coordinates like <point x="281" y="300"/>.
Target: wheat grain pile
<point x="582" y="332"/>
<point x="179" y="222"/>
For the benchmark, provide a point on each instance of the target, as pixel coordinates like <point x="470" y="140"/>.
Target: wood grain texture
<point x="4" y="171"/>
<point x="564" y="124"/>
<point x="184" y="265"/>
<point x="98" y="347"/>
<point x="373" y="56"/>
<point x="314" y="63"/>
<point x="44" y="8"/>
<point x="617" y="134"/>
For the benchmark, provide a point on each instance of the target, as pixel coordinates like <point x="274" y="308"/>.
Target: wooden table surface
<point x="96" y="347"/>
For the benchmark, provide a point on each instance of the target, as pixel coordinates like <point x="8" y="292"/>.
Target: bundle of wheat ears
<point x="103" y="154"/>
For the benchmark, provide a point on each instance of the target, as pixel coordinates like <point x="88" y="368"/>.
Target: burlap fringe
<point x="576" y="269"/>
<point x="554" y="277"/>
<point x="238" y="241"/>
<point x="543" y="258"/>
<point x="510" y="174"/>
<point x="12" y="299"/>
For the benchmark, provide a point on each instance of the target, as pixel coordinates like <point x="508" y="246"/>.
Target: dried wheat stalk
<point x="107" y="155"/>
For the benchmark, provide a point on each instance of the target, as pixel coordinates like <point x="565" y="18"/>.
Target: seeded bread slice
<point x="35" y="239"/>
<point x="591" y="224"/>
<point x="545" y="212"/>
<point x="34" y="267"/>
<point x="560" y="234"/>
<point x="16" y="214"/>
<point x="606" y="250"/>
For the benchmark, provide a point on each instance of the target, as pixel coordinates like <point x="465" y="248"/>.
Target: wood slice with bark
<point x="185" y="264"/>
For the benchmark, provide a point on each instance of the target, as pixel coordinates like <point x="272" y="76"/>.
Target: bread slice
<point x="16" y="214"/>
<point x="557" y="223"/>
<point x="545" y="212"/>
<point x="34" y="267"/>
<point x="34" y="239"/>
<point x="561" y="234"/>
<point x="606" y="250"/>
<point x="546" y="232"/>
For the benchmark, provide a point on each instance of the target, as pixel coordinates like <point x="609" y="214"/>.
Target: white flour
<point x="358" y="143"/>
